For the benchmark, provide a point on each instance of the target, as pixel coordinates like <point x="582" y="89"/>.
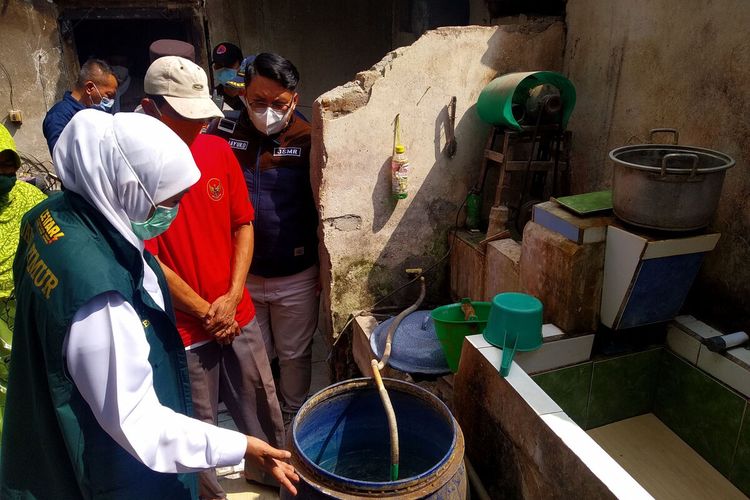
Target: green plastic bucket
<point x="515" y="324"/>
<point x="451" y="328"/>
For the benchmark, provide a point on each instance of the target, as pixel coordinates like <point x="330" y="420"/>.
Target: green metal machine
<point x="514" y="99"/>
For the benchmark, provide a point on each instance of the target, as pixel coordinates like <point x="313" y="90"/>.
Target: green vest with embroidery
<point x="52" y="445"/>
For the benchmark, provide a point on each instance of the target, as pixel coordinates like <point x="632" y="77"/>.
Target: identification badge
<point x="287" y="151"/>
<point x="237" y="144"/>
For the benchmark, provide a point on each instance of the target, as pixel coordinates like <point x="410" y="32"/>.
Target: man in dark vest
<point x="272" y="144"/>
<point x="98" y="393"/>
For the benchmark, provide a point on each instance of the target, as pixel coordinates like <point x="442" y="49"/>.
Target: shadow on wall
<point x="383" y="203"/>
<point x="437" y="202"/>
<point x="432" y="206"/>
<point x="368" y="238"/>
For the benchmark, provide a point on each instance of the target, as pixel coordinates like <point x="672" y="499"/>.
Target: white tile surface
<point x="683" y="344"/>
<point x="697" y="327"/>
<point x="681" y="246"/>
<point x="741" y="353"/>
<point x="619" y="482"/>
<point x="478" y="341"/>
<point x="594" y="234"/>
<point x="534" y="396"/>
<point x="726" y="370"/>
<point x="556" y="353"/>
<point x="552" y="354"/>
<point x="622" y="256"/>
<point x="550" y="330"/>
<point x="685" y="320"/>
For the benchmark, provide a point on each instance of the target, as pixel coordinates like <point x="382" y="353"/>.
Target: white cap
<point x="184" y="85"/>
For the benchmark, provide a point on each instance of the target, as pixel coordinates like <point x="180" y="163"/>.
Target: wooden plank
<point x="467" y="266"/>
<point x="536" y="166"/>
<point x="661" y="462"/>
<point x="502" y="260"/>
<point x="493" y="156"/>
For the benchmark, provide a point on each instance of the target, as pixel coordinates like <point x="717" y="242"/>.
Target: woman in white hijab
<point x="99" y="376"/>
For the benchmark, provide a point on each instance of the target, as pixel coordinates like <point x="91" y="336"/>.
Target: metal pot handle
<point x="672" y="156"/>
<point x="673" y="131"/>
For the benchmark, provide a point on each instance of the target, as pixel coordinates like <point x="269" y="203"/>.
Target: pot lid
<point x="415" y="347"/>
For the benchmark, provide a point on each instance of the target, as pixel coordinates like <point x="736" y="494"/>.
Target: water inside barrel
<point x="348" y="436"/>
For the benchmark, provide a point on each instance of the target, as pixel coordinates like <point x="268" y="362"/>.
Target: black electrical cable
<point x="416" y="278"/>
<point x="10" y="84"/>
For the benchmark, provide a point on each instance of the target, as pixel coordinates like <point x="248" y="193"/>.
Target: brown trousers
<point x="239" y="374"/>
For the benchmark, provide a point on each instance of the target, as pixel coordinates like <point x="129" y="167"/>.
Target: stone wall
<point x="639" y="65"/>
<point x="368" y="238"/>
<point x="31" y="52"/>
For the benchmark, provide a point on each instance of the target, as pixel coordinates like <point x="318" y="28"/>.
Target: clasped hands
<point x="219" y="320"/>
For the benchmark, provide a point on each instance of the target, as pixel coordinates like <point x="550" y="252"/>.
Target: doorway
<point x="122" y="37"/>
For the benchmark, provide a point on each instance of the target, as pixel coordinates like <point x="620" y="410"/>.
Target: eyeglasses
<point x="261" y="107"/>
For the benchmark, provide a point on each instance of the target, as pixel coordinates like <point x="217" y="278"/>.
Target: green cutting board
<point x="587" y="203"/>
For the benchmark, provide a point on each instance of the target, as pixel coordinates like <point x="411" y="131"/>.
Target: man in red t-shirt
<point x="206" y="254"/>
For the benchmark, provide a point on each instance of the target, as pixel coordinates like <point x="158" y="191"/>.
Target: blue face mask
<point x="156" y="224"/>
<point x="105" y="103"/>
<point x="223" y="75"/>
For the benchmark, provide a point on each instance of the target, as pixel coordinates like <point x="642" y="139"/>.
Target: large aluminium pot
<point x="667" y="187"/>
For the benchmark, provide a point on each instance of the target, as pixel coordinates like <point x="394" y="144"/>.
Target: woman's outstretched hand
<point x="272" y="460"/>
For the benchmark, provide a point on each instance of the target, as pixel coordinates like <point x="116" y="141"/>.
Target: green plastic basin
<point x="451" y="328"/>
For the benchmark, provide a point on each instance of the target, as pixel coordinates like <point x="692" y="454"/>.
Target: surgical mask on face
<point x="105" y="103"/>
<point x="270" y="121"/>
<point x="156" y="224"/>
<point x="7" y="181"/>
<point x="223" y="75"/>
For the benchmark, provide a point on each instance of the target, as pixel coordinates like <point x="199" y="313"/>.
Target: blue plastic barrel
<point x="341" y="449"/>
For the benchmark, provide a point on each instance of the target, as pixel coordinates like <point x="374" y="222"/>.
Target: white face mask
<point x="270" y="121"/>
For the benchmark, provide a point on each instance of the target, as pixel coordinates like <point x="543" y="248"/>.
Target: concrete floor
<point x="232" y="478"/>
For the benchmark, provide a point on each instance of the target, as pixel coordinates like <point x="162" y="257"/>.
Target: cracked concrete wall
<point x="368" y="239"/>
<point x="639" y="65"/>
<point x="31" y="52"/>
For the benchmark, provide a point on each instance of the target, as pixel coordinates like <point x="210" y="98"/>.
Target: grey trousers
<point x="287" y="312"/>
<point x="239" y="374"/>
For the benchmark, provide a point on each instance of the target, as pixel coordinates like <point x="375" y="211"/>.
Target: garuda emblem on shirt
<point x="215" y="189"/>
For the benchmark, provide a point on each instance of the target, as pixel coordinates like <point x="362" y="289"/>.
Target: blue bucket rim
<point x="368" y="383"/>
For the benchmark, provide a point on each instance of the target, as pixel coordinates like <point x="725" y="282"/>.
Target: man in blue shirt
<point x="95" y="88"/>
